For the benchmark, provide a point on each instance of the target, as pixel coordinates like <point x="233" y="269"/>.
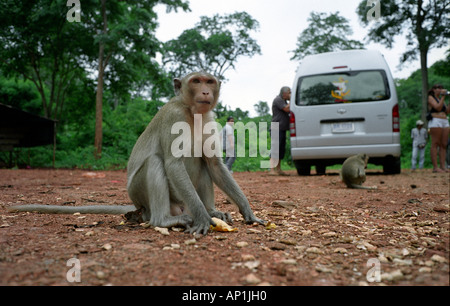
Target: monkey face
<point x="200" y="91"/>
<point x="204" y="91"/>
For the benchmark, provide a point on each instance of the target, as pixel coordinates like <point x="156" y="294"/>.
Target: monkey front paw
<point x="200" y="228"/>
<point x="253" y="219"/>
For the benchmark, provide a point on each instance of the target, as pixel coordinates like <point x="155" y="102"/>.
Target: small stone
<point x="162" y="230"/>
<point x="220" y="237"/>
<point x="247" y="257"/>
<point x="252" y="264"/>
<point x="340" y="250"/>
<point x="438" y="258"/>
<point x="425" y="270"/>
<point x="242" y="244"/>
<point x="323" y="269"/>
<point x="101" y="275"/>
<point x="289" y="262"/>
<point x="190" y="241"/>
<point x="329" y="234"/>
<point x="393" y="276"/>
<point x="314" y="250"/>
<point x="288" y="242"/>
<point x="306" y="232"/>
<point x="403" y="262"/>
<point x="251" y="279"/>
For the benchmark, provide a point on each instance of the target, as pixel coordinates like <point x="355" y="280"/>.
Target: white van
<point x="344" y="103"/>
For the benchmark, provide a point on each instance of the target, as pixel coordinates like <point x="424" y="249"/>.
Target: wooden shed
<point x="23" y="129"/>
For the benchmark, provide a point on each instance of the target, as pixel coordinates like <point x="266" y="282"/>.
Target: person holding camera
<point x="419" y="136"/>
<point x="438" y="125"/>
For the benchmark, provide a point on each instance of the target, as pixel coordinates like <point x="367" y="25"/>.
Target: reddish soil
<point x="325" y="234"/>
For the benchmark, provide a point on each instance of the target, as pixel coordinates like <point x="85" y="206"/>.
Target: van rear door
<point x="344" y="109"/>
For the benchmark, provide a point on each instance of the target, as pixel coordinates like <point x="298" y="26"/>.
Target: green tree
<point x="213" y="45"/>
<point x="38" y="44"/>
<point x="426" y="25"/>
<point x="409" y="96"/>
<point x="262" y="109"/>
<point x="325" y="33"/>
<point x="442" y="67"/>
<point x="127" y="44"/>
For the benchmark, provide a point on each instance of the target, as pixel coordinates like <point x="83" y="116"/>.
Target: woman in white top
<point x="439" y="126"/>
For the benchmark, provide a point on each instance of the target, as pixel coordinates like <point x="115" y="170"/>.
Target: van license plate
<point x="343" y="127"/>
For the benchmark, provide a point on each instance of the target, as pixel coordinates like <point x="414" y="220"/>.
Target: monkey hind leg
<point x="149" y="190"/>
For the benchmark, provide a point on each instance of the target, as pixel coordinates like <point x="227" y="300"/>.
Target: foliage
<point x="213" y="45"/>
<point x="409" y="96"/>
<point x="442" y="67"/>
<point x="262" y="109"/>
<point x="426" y="25"/>
<point x="409" y="90"/>
<point x="124" y="123"/>
<point x="45" y="58"/>
<point x="38" y="44"/>
<point x="325" y="33"/>
<point x="131" y="47"/>
<point x="20" y="94"/>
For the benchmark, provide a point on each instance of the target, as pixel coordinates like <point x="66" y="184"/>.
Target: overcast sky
<point x="260" y="78"/>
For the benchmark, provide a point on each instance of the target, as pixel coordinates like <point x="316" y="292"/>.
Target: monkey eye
<point x="211" y="81"/>
<point x="196" y="81"/>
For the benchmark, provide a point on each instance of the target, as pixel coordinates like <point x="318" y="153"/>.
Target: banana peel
<point x="270" y="226"/>
<point x="221" y="226"/>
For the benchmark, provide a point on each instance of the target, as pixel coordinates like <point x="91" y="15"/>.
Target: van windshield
<point x="343" y="87"/>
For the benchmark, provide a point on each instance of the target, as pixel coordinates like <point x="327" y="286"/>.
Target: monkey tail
<point x="54" y="209"/>
<point x="354" y="186"/>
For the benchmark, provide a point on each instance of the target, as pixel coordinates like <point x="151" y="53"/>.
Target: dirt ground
<point x="324" y="234"/>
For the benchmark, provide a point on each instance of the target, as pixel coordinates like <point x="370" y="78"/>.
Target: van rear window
<point x="342" y="87"/>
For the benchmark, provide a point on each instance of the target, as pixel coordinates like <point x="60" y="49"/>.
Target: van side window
<point x="343" y="87"/>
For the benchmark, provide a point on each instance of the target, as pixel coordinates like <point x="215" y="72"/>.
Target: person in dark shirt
<point x="280" y="110"/>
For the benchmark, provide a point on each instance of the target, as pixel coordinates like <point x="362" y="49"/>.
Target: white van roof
<point x="342" y="61"/>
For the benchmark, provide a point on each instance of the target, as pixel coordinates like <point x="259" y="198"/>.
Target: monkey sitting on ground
<point x="168" y="189"/>
<point x="353" y="171"/>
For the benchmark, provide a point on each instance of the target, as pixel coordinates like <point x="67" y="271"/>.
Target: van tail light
<point x="395" y="120"/>
<point x="292" y="124"/>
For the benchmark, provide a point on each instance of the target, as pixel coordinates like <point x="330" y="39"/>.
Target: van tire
<point x="321" y="169"/>
<point x="392" y="165"/>
<point x="303" y="168"/>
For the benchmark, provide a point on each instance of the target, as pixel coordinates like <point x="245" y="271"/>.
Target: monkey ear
<point x="177" y="86"/>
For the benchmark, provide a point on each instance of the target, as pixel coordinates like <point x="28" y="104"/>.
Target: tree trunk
<point x="99" y="106"/>
<point x="424" y="71"/>
<point x="99" y="98"/>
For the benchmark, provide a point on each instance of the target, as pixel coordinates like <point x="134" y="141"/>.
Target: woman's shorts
<point x="438" y="123"/>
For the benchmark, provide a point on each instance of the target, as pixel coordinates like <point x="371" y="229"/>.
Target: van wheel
<point x="392" y="165"/>
<point x="303" y="168"/>
<point x="320" y="169"/>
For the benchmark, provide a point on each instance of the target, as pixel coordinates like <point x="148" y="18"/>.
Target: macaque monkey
<point x="353" y="171"/>
<point x="170" y="190"/>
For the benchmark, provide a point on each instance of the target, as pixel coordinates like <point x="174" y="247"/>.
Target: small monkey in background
<point x="353" y="172"/>
<point x="168" y="190"/>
